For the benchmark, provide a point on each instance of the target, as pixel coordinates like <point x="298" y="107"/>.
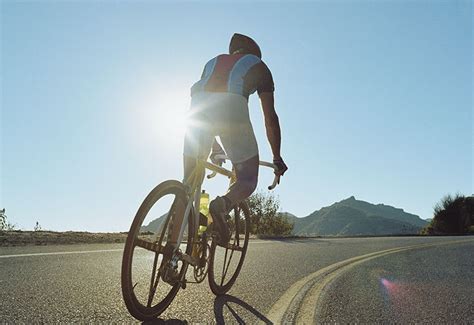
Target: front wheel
<point x="225" y="262"/>
<point x="145" y="294"/>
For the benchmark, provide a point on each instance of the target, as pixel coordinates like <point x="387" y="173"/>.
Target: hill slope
<point x="154" y="225"/>
<point x="355" y="217"/>
<point x="348" y="217"/>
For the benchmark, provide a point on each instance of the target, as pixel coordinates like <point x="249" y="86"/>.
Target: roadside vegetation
<point x="452" y="215"/>
<point x="264" y="217"/>
<point x="5" y="225"/>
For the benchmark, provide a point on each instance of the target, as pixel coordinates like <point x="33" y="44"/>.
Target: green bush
<point x="264" y="216"/>
<point x="452" y="215"/>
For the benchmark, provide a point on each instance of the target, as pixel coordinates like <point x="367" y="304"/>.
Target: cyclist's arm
<point x="272" y="123"/>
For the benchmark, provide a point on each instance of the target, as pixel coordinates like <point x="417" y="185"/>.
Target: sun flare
<point x="163" y="116"/>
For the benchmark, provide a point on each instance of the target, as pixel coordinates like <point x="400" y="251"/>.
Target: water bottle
<point x="204" y="212"/>
<point x="203" y="221"/>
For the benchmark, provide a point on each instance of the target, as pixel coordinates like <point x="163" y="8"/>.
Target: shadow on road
<point x="236" y="311"/>
<point x="160" y="321"/>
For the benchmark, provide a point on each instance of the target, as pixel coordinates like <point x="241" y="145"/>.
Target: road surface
<point x="363" y="280"/>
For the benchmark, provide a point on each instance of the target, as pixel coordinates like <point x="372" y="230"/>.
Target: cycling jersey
<point x="241" y="74"/>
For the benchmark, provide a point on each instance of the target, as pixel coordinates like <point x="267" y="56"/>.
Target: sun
<point x="162" y="115"/>
<point x="157" y="115"/>
<point x="171" y="119"/>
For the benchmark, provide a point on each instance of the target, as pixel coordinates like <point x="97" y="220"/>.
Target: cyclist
<point x="219" y="107"/>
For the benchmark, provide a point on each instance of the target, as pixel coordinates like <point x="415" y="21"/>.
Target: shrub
<point x="4" y="224"/>
<point x="37" y="227"/>
<point x="452" y="215"/>
<point x="264" y="216"/>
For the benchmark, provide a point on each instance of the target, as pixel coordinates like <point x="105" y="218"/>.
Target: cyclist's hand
<point x="281" y="166"/>
<point x="214" y="159"/>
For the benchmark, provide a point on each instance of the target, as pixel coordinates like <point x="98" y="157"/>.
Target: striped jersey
<point x="241" y="74"/>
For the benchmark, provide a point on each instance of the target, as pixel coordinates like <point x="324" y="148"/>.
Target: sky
<point x="374" y="99"/>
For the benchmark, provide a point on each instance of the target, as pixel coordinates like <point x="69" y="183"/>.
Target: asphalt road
<point x="280" y="281"/>
<point x="430" y="285"/>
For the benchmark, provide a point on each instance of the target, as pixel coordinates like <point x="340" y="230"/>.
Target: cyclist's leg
<point x="197" y="145"/>
<point x="246" y="179"/>
<point x="246" y="182"/>
<point x="240" y="144"/>
<point x="197" y="141"/>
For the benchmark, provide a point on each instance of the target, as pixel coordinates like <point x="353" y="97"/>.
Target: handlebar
<point x="276" y="180"/>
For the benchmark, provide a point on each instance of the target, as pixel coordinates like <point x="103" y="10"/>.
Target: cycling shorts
<point x="220" y="114"/>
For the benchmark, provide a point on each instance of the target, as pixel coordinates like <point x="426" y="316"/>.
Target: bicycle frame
<point x="194" y="188"/>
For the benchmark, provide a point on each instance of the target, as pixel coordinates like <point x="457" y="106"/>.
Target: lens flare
<point x="390" y="286"/>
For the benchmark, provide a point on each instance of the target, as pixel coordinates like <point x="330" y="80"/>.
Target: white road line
<point x="299" y="303"/>
<point x="94" y="251"/>
<point x="262" y="242"/>
<point x="63" y="253"/>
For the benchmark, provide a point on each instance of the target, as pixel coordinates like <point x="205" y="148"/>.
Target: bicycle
<point x="198" y="248"/>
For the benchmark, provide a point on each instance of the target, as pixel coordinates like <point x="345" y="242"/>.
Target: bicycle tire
<point x="237" y="232"/>
<point x="134" y="306"/>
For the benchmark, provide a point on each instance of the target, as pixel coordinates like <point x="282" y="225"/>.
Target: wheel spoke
<point x="237" y="226"/>
<point x="157" y="280"/>
<point x="154" y="247"/>
<point x="228" y="264"/>
<point x="167" y="221"/>
<point x="232" y="246"/>
<point x="228" y="273"/>
<point x="152" y="290"/>
<point x="223" y="266"/>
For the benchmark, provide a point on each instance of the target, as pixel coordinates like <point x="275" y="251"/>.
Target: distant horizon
<point x="125" y="230"/>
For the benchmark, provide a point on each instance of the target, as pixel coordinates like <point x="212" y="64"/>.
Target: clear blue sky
<point x="374" y="99"/>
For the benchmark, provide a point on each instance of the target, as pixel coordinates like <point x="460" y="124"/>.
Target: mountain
<point x="354" y="217"/>
<point x="349" y="217"/>
<point x="154" y="225"/>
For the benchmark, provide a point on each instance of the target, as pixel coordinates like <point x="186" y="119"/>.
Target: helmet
<point x="244" y="44"/>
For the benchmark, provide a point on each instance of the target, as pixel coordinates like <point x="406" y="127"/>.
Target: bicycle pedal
<point x="183" y="284"/>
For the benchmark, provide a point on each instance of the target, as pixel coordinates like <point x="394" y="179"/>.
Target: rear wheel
<point x="225" y="262"/>
<point x="146" y="295"/>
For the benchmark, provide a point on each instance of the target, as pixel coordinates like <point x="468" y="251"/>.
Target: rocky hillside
<point x="154" y="225"/>
<point x="349" y="217"/>
<point x="354" y="217"/>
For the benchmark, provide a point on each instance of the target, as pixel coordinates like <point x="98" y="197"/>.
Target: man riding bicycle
<point x="219" y="107"/>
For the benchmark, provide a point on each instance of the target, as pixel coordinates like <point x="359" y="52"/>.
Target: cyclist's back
<point x="219" y="107"/>
<point x="241" y="74"/>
